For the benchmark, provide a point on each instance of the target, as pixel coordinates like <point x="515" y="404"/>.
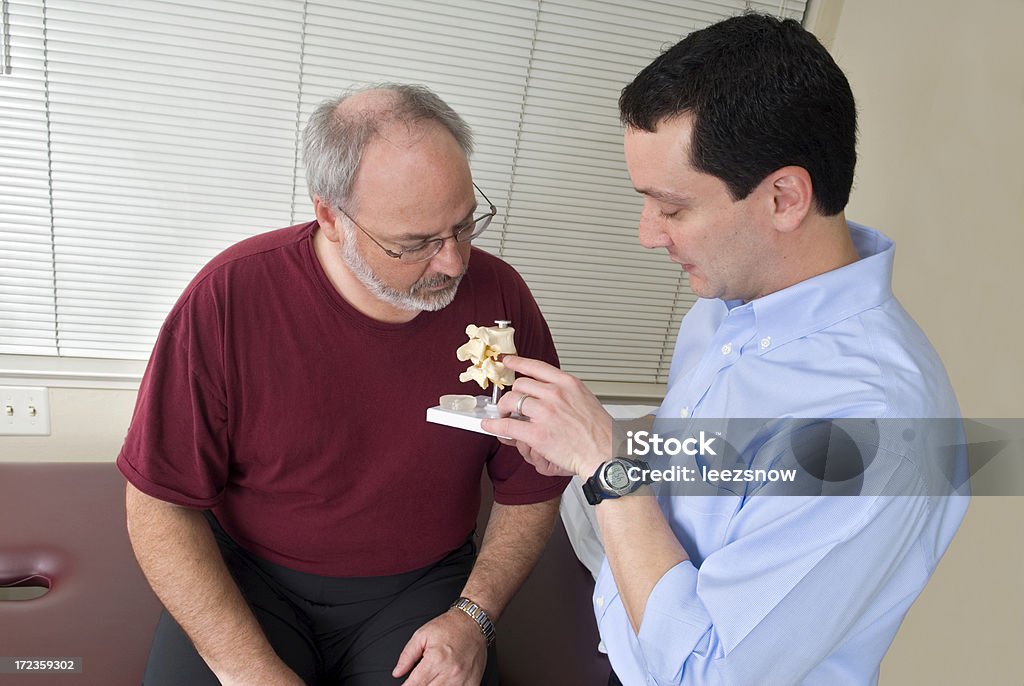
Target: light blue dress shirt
<point x="795" y="589"/>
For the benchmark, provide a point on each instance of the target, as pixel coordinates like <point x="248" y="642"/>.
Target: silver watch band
<point x="478" y="615"/>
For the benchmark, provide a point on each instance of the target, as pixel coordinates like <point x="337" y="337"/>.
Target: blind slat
<point x="155" y="133"/>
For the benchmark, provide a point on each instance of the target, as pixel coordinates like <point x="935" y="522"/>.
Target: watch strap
<point x="478" y="615"/>
<point x="591" y="492"/>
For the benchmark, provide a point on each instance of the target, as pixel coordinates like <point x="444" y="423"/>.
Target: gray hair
<point x="334" y="138"/>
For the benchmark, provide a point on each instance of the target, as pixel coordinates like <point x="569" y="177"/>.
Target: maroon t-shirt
<point x="300" y="421"/>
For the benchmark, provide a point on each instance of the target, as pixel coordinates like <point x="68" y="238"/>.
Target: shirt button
<point x="684" y="413"/>
<point x="599" y="600"/>
<point x="727" y="348"/>
<point x="766" y="341"/>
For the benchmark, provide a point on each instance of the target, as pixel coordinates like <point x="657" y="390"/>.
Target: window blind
<point x="27" y="308"/>
<point x="573" y="213"/>
<point x="172" y="135"/>
<point x="140" y="137"/>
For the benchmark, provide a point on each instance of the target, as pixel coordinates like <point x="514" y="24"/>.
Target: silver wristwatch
<point x="477" y="614"/>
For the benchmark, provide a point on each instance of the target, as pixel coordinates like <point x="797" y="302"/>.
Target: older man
<point x="741" y="140"/>
<point x="288" y="503"/>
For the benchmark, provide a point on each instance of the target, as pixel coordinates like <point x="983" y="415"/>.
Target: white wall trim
<point x="70" y="372"/>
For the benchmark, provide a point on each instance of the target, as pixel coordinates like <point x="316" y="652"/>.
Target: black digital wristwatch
<point x="613" y="479"/>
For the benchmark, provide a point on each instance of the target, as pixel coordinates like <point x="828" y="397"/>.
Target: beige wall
<point x="85" y="424"/>
<point x="940" y="89"/>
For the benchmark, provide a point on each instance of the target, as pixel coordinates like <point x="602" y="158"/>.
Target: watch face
<point x="615" y="476"/>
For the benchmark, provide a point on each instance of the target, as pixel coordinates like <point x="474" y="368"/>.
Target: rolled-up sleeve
<point x="771" y="604"/>
<point x="673" y="609"/>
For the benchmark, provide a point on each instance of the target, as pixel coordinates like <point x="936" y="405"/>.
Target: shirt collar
<point x="828" y="298"/>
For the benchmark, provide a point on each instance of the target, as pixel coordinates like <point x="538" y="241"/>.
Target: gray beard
<point x="416" y="299"/>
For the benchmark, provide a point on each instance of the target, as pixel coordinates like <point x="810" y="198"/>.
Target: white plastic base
<point x="468" y="419"/>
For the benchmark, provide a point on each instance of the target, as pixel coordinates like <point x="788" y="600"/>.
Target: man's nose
<point x="652" y="234"/>
<point x="450" y="260"/>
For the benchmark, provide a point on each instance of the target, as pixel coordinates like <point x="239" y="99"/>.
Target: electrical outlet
<point x="24" y="411"/>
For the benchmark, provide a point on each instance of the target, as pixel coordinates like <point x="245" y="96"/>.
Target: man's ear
<point x="792" y="196"/>
<point x="327" y="218"/>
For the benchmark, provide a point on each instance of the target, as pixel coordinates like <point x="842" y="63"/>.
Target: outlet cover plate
<point x="24" y="411"/>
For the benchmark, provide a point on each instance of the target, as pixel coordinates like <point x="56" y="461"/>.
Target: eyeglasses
<point x="427" y="249"/>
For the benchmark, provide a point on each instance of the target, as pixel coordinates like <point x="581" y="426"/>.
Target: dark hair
<point x="764" y="94"/>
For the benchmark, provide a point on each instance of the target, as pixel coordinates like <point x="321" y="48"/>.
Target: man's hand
<point x="451" y="651"/>
<point x="569" y="432"/>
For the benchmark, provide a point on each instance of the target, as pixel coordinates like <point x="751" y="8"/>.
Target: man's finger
<point x="413" y="651"/>
<point x="421" y="676"/>
<point x="512" y="429"/>
<point x="525" y="450"/>
<point x="509" y="403"/>
<point x="533" y="387"/>
<point x="535" y="368"/>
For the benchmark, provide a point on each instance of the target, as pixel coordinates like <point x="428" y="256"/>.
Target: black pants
<point x="346" y="631"/>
